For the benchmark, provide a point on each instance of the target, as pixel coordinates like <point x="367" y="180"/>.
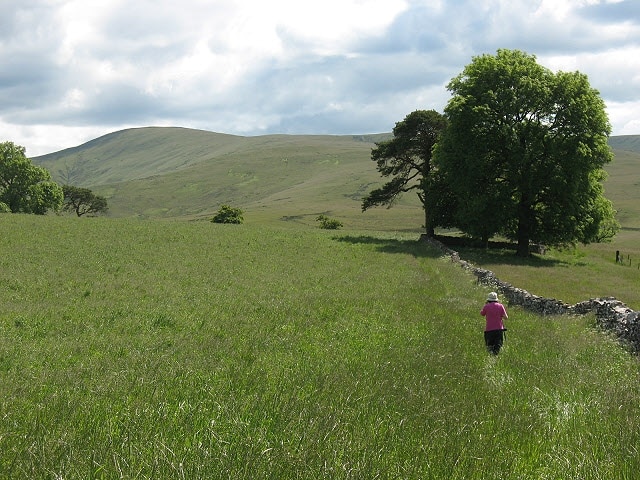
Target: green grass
<point x="172" y="349"/>
<point x="571" y="275"/>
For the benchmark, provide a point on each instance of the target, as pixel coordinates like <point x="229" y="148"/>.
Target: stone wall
<point x="611" y="314"/>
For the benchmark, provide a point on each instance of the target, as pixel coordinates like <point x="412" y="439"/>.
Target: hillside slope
<point x="173" y="172"/>
<point x="629" y="143"/>
<point x="180" y="172"/>
<point x="135" y="153"/>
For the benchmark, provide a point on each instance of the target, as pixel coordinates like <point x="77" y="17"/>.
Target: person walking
<point x="494" y="329"/>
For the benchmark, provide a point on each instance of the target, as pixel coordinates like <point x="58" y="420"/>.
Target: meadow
<point x="171" y="349"/>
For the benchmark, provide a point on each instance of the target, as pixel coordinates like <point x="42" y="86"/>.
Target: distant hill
<point x="138" y="153"/>
<point x="172" y="172"/>
<point x="629" y="143"/>
<point x="180" y="172"/>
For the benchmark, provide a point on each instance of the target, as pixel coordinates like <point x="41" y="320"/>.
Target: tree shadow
<point x="500" y="253"/>
<point x="481" y="256"/>
<point x="390" y="245"/>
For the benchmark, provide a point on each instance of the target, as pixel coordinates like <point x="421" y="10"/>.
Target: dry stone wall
<point x="611" y="314"/>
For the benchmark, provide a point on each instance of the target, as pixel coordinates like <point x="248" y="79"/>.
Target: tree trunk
<point x="524" y="228"/>
<point x="428" y="224"/>
<point x="523" y="247"/>
<point x="524" y="234"/>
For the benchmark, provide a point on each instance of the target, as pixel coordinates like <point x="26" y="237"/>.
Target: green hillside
<point x="168" y="172"/>
<point x="622" y="186"/>
<point x="135" y="153"/>
<point x="629" y="143"/>
<point x="176" y="172"/>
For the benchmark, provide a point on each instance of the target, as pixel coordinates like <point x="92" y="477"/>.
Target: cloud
<point x="626" y="12"/>
<point x="71" y="68"/>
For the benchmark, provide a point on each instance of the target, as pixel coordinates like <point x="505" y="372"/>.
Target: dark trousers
<point x="493" y="339"/>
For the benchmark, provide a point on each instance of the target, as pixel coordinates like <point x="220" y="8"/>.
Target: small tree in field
<point x="83" y="201"/>
<point x="228" y="214"/>
<point x="406" y="160"/>
<point x="328" y="223"/>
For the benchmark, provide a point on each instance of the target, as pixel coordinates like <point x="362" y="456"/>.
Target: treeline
<point x="28" y="188"/>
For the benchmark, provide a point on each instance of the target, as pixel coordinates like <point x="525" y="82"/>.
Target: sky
<point x="74" y="70"/>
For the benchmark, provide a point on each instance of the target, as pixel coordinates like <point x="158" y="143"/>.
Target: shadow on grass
<point x="504" y="253"/>
<point x="502" y="256"/>
<point x="390" y="245"/>
<point x="498" y="253"/>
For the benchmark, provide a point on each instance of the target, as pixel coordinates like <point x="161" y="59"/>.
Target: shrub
<point x="328" y="223"/>
<point x="228" y="214"/>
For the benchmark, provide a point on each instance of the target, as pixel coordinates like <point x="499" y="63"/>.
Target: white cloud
<point x="615" y="73"/>
<point x="73" y="69"/>
<point x="624" y="116"/>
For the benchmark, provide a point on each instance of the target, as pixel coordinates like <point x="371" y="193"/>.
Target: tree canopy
<point x="83" y="201"/>
<point x="24" y="187"/>
<point x="406" y="158"/>
<point x="525" y="149"/>
<point x="228" y="214"/>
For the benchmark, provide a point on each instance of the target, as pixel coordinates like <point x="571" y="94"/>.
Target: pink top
<point x="495" y="312"/>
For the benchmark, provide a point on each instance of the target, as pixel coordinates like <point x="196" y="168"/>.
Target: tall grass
<point x="151" y="349"/>
<point x="571" y="275"/>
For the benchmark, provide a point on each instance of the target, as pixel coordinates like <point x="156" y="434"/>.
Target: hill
<point x="180" y="172"/>
<point x="630" y="143"/>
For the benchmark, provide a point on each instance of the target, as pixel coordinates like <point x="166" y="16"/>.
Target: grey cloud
<point x="466" y="28"/>
<point x="30" y="77"/>
<point x="117" y="105"/>
<point x="625" y="11"/>
<point x="366" y="87"/>
<point x="330" y="88"/>
<point x="16" y="15"/>
<point x="29" y="82"/>
<point x="114" y="105"/>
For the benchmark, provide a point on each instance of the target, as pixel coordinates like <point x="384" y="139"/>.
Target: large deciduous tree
<point x="83" y="201"/>
<point x="406" y="158"/>
<point x="24" y="187"/>
<point x="525" y="149"/>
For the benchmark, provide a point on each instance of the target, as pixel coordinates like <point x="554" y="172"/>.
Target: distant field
<point x="169" y="349"/>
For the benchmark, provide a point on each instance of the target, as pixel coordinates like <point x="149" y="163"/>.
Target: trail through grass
<point x="151" y="349"/>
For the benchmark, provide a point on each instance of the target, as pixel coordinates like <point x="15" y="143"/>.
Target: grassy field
<point x="571" y="275"/>
<point x="173" y="349"/>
